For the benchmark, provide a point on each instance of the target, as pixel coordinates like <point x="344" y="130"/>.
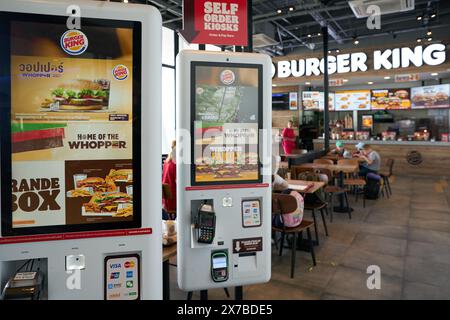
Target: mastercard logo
<point x="227" y="77"/>
<point x="120" y="72"/>
<point x="74" y="42"/>
<point x="129" y="264"/>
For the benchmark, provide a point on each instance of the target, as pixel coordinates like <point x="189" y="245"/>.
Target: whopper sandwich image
<point x="79" y="95"/>
<point x="120" y="175"/>
<point x="117" y="204"/>
<point x="97" y="184"/>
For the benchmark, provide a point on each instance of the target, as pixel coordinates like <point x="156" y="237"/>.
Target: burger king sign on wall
<point x="74" y="42"/>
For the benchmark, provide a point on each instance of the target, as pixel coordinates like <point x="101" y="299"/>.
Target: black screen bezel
<point x="5" y="125"/>
<point x="259" y="68"/>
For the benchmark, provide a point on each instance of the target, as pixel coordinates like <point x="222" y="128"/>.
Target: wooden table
<point x="336" y="168"/>
<point x="168" y="252"/>
<point x="336" y="158"/>
<point x="315" y="185"/>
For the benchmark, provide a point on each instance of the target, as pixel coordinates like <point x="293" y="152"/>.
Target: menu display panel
<point x="226" y="113"/>
<point x="72" y="130"/>
<point x="391" y="99"/>
<point x="431" y="97"/>
<point x="352" y="100"/>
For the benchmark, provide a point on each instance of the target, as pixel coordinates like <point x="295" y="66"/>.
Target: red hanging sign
<point x="220" y="22"/>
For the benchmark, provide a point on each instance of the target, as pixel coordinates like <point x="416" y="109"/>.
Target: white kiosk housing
<point x="223" y="189"/>
<point x="87" y="244"/>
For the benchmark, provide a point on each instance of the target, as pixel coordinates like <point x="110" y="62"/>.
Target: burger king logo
<point x="120" y="72"/>
<point x="74" y="42"/>
<point x="227" y="77"/>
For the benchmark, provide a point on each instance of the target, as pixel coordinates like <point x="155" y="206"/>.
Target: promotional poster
<point x="71" y="99"/>
<point x="431" y="97"/>
<point x="315" y="100"/>
<point x="226" y="124"/>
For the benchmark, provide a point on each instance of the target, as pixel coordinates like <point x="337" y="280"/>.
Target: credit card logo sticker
<point x="129" y="264"/>
<point x="130" y="284"/>
<point x="115" y="275"/>
<point x="129" y="274"/>
<point x="120" y="72"/>
<point x="74" y="42"/>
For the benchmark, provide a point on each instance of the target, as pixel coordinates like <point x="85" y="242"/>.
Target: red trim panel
<point x="75" y="235"/>
<point x="229" y="186"/>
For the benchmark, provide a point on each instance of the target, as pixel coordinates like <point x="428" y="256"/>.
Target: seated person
<point x="339" y="150"/>
<point x="372" y="161"/>
<point x="359" y="147"/>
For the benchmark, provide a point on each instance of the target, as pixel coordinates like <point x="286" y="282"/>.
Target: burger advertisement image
<point x="391" y="99"/>
<point x="71" y="124"/>
<point x="226" y="124"/>
<point x="431" y="97"/>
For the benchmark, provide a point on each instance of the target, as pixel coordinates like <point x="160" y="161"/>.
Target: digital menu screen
<point x="352" y="100"/>
<point x="315" y="100"/>
<point x="226" y="113"/>
<point x="431" y="97"/>
<point x="73" y="127"/>
<point x="392" y="99"/>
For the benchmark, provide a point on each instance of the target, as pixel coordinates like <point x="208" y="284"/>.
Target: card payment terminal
<point x="206" y="223"/>
<point x="219" y="266"/>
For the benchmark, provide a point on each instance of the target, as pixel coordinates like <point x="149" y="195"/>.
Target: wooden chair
<point x="353" y="181"/>
<point x="323" y="161"/>
<point x="167" y="194"/>
<point x="386" y="174"/>
<point x="297" y="171"/>
<point x="285" y="203"/>
<point x="331" y="190"/>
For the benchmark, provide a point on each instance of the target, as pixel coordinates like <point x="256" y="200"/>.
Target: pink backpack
<point x="293" y="219"/>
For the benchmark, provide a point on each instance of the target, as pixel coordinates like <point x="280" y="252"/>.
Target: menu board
<point x="352" y="100"/>
<point x="392" y="99"/>
<point x="431" y="97"/>
<point x="315" y="100"/>
<point x="74" y="103"/>
<point x="227" y="117"/>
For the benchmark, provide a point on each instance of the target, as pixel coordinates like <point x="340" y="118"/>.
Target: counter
<point x="419" y="158"/>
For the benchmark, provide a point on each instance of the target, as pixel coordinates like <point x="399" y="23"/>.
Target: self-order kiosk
<point x="223" y="169"/>
<point x="80" y="101"/>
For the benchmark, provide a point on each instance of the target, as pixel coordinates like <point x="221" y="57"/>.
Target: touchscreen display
<point x="73" y="100"/>
<point x="219" y="262"/>
<point x="226" y="116"/>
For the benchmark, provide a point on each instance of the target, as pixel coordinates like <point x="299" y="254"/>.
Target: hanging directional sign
<point x="220" y="22"/>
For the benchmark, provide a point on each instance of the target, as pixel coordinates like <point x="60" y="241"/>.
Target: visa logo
<point x="115" y="266"/>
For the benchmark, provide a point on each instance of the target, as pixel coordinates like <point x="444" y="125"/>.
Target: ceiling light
<point x="419" y="40"/>
<point x="430" y="39"/>
<point x="279" y="11"/>
<point x="419" y="18"/>
<point x="337" y="51"/>
<point x="309" y="36"/>
<point x="345" y="80"/>
<point x="429" y="33"/>
<point x="356" y="42"/>
<point x="291" y="8"/>
<point x="387" y="78"/>
<point x="434" y="74"/>
<point x="125" y="1"/>
<point x="433" y="16"/>
<point x="274" y="85"/>
<point x="308" y="83"/>
<point x="329" y="51"/>
<point x="319" y="34"/>
<point x="370" y="82"/>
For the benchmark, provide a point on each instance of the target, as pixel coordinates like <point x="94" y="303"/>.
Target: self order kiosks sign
<point x="223" y="189"/>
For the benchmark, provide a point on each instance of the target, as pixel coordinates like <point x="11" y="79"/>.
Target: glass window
<point x="168" y="108"/>
<point x="168" y="54"/>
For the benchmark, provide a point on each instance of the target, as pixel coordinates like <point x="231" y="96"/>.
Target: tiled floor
<point x="407" y="236"/>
